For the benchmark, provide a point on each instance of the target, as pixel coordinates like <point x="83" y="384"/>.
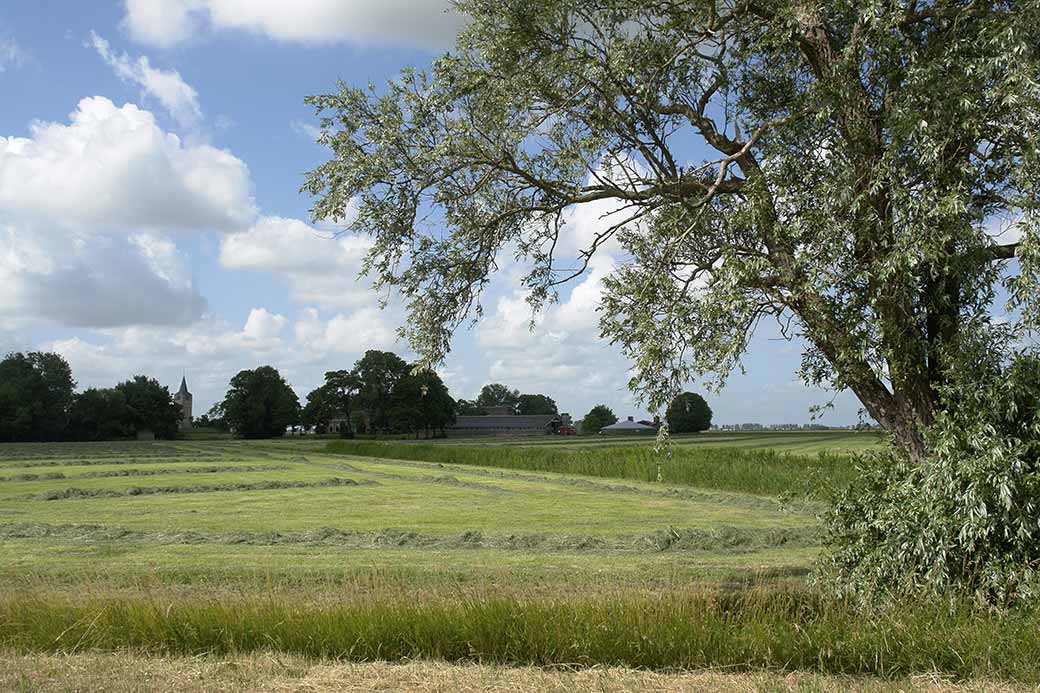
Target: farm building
<point x="628" y="426"/>
<point x="547" y="424"/>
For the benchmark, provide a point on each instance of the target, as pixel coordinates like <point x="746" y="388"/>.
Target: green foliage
<point x="688" y="413"/>
<point x="378" y="373"/>
<point x="421" y="403"/>
<point x="465" y="407"/>
<point x="332" y="400"/>
<point x="599" y="416"/>
<point x="498" y="395"/>
<point x="736" y="630"/>
<point x="139" y="404"/>
<point x="215" y="415"/>
<point x="536" y="404"/>
<point x="35" y="396"/>
<point x="150" y="406"/>
<point x="967" y="521"/>
<point x="382" y="394"/>
<point x="99" y="414"/>
<point x="837" y="167"/>
<point x="260" y="404"/>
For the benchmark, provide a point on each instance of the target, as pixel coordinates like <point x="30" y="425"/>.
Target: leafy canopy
<point x="497" y="395"/>
<point x="36" y="391"/>
<point x="688" y="413"/>
<point x="259" y="404"/>
<point x="599" y="416"/>
<point x="838" y="166"/>
<point x="536" y="404"/>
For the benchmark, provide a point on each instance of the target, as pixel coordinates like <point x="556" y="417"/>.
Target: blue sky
<point x="151" y="155"/>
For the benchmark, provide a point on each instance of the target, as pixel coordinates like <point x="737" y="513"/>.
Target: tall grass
<point x="741" y="631"/>
<point x="763" y="472"/>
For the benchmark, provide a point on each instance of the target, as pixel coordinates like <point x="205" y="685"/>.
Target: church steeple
<point x="183" y="398"/>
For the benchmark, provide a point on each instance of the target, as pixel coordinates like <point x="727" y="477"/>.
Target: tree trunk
<point x="897" y="414"/>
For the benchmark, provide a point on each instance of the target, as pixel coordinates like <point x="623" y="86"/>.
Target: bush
<point x="965" y="522"/>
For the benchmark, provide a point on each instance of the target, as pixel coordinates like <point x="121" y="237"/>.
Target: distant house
<point x="627" y="426"/>
<point x="503" y="423"/>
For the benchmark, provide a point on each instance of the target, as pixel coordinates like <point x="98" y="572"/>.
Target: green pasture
<point x="386" y="494"/>
<point x="534" y="552"/>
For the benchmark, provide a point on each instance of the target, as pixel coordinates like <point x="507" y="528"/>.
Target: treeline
<point x="381" y="394"/>
<point x="38" y="402"/>
<point x="498" y="396"/>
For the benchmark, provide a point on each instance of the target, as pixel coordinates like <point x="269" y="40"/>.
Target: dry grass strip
<point x="125" y="672"/>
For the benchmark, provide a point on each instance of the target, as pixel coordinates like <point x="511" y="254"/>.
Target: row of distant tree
<point x="497" y="395"/>
<point x="381" y="394"/>
<point x="38" y="402"/>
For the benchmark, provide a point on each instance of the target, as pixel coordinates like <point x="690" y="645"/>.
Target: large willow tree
<point x="841" y="166"/>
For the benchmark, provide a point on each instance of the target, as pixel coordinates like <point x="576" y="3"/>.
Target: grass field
<point x="798" y="442"/>
<point x="519" y="552"/>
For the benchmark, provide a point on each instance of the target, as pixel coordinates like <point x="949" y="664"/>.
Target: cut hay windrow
<point x="665" y="539"/>
<point x="75" y="493"/>
<point x="115" y="473"/>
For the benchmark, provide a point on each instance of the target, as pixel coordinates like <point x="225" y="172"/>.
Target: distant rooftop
<point x="628" y="425"/>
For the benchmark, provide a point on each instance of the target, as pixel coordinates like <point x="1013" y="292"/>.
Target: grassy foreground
<point x="742" y="631"/>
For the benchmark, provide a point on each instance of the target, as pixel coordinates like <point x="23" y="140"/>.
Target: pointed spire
<point x="184" y="386"/>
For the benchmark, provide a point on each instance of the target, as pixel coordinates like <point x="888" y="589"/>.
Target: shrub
<point x="967" y="521"/>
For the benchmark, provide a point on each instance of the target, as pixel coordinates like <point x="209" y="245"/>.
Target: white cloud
<point x="85" y="209"/>
<point x="74" y="279"/>
<point x="115" y="168"/>
<point x="212" y="350"/>
<point x="11" y="54"/>
<point x="319" y="267"/>
<point x="367" y="328"/>
<point x="178" y="97"/>
<point x="308" y="130"/>
<point x="262" y="325"/>
<point x="427" y="24"/>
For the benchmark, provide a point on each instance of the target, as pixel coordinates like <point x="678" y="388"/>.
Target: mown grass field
<point x="517" y="552"/>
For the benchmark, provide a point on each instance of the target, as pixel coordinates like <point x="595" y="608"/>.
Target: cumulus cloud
<point x="262" y="325"/>
<point x="355" y="332"/>
<point x="11" y="54"/>
<point x="178" y="97"/>
<point x="426" y="24"/>
<point x="213" y="350"/>
<point x="112" y="167"/>
<point x="85" y="209"/>
<point x="82" y="281"/>
<point x="564" y="345"/>
<point x="320" y="268"/>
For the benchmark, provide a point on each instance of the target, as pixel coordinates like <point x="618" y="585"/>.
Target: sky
<point x="151" y="219"/>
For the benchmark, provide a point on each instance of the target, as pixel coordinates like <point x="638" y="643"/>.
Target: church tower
<point x="183" y="398"/>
